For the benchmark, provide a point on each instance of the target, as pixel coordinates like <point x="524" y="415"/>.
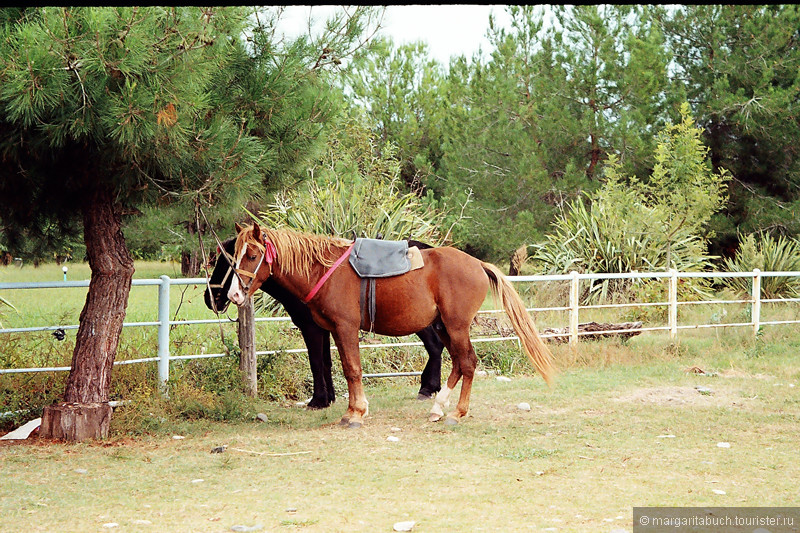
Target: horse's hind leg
<point x="464" y="363"/>
<point x="358" y="407"/>
<point x="467" y="367"/>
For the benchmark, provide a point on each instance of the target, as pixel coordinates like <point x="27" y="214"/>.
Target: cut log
<point x="76" y="421"/>
<point x="599" y="331"/>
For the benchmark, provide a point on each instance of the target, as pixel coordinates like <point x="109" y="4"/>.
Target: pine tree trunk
<point x="190" y="264"/>
<point x="85" y="413"/>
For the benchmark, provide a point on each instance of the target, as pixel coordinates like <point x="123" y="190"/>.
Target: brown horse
<point x="449" y="290"/>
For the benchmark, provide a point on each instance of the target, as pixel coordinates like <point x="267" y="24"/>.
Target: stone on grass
<point x="245" y="529"/>
<point x="392" y="438"/>
<point x="262" y="417"/>
<point x="524" y="406"/>
<point x="404" y="526"/>
<point x="723" y="445"/>
<point x="502" y="378"/>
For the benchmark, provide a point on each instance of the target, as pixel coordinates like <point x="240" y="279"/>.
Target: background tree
<point x="738" y="65"/>
<point x="106" y="109"/>
<point x="527" y="128"/>
<point x="401" y="91"/>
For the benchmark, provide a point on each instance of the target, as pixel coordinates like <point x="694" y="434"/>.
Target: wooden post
<point x="673" y="304"/>
<point x="756" y="309"/>
<point x="247" y="345"/>
<point x="574" y="301"/>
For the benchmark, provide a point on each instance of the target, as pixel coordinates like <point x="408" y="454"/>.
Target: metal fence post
<point x="673" y="304"/>
<point x="163" y="333"/>
<point x="574" y="297"/>
<point x="756" y="310"/>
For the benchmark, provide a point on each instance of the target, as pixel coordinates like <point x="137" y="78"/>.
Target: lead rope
<point x="208" y="277"/>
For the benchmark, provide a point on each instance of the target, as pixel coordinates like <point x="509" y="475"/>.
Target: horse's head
<point x="254" y="255"/>
<point x="216" y="295"/>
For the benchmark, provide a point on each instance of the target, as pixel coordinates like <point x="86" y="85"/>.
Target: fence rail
<point x="574" y="308"/>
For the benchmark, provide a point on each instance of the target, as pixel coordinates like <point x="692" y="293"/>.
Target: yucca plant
<point x="597" y="239"/>
<point x="768" y="254"/>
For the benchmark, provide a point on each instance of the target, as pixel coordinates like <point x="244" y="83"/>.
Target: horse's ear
<point x="238" y="228"/>
<point x="256" y="232"/>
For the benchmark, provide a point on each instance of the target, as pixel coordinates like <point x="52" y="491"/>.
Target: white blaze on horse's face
<point x="236" y="294"/>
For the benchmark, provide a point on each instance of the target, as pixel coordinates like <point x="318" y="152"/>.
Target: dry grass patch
<point x="606" y="438"/>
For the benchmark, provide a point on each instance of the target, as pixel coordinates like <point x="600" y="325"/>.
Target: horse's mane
<point x="297" y="251"/>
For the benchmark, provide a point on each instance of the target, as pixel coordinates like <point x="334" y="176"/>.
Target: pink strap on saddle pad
<point x="324" y="278"/>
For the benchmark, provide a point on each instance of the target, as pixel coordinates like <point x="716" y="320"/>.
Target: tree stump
<point x="76" y="421"/>
<point x="518" y="259"/>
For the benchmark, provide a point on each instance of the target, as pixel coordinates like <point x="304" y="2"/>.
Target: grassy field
<point x="625" y="425"/>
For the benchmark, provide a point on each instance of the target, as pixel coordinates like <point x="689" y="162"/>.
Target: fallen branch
<point x="268" y="454"/>
<point x="626" y="330"/>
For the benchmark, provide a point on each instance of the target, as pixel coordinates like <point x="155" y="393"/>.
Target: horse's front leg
<point x="358" y="407"/>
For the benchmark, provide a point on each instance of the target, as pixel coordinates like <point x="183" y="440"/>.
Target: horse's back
<point x="457" y="272"/>
<point x="450" y="282"/>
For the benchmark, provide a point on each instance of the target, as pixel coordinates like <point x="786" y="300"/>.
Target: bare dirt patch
<point x="682" y="396"/>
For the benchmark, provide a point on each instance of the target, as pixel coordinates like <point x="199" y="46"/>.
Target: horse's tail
<point x="523" y="324"/>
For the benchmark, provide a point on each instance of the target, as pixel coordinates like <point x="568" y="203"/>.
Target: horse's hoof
<point x="424" y="397"/>
<point x="434" y="418"/>
<point x="344" y="421"/>
<point x="312" y="405"/>
<point x="354" y="425"/>
<point x="449" y="421"/>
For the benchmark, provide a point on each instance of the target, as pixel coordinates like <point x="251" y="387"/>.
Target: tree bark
<point x="247" y="345"/>
<point x="190" y="264"/>
<point x="89" y="380"/>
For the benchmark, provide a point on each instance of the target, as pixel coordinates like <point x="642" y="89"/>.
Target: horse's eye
<point x="252" y="257"/>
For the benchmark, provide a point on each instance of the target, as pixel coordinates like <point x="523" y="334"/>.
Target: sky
<point x="451" y="29"/>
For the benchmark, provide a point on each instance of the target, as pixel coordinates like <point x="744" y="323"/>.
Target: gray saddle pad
<point x="375" y="258"/>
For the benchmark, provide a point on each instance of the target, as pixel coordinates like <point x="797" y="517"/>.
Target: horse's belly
<point x="399" y="323"/>
<point x="403" y="306"/>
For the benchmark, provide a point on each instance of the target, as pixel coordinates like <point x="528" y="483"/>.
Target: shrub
<point x="767" y="254"/>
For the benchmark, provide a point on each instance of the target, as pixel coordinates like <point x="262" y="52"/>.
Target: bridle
<point x="221" y="285"/>
<point x="268" y="255"/>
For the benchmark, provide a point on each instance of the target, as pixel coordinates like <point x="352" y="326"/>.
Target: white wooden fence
<point x="573" y="309"/>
